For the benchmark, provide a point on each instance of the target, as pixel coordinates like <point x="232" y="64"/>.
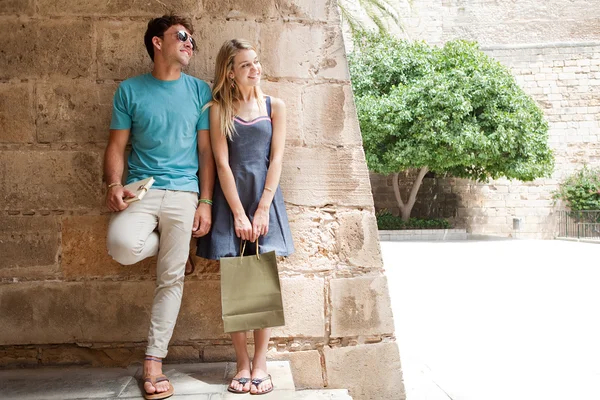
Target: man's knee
<point x="123" y="251"/>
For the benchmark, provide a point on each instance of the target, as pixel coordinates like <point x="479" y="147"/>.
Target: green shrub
<point x="580" y="191"/>
<point x="386" y="221"/>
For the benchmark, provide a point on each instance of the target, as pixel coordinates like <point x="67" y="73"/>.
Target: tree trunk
<point x="406" y="208"/>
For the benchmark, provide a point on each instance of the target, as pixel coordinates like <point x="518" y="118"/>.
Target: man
<point x="162" y="113"/>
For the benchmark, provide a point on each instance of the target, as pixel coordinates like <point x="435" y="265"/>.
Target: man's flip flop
<point x="154" y="379"/>
<point x="257" y="382"/>
<point x="241" y="380"/>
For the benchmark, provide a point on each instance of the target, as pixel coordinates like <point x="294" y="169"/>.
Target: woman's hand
<point x="243" y="227"/>
<point x="260" y="223"/>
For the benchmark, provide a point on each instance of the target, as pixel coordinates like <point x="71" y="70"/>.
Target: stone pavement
<point x="497" y="319"/>
<point x="206" y="381"/>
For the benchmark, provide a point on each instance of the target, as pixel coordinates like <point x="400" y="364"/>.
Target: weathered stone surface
<point x="380" y="376"/>
<point x="29" y="246"/>
<point x="17" y="55"/>
<point x="225" y="352"/>
<point x="200" y="314"/>
<point x="50" y="180"/>
<point x="74" y="111"/>
<point x="17" y="113"/>
<point x="183" y="354"/>
<point x="69" y="312"/>
<point x="304" y="305"/>
<point x="306" y="367"/>
<point x="250" y="9"/>
<point x="330" y="110"/>
<point x="320" y="176"/>
<point x="64" y="48"/>
<point x="318" y="51"/>
<point x="10" y="7"/>
<point x="360" y="306"/>
<point x="120" y="49"/>
<point x="117" y="7"/>
<point x="210" y="36"/>
<point x="291" y="94"/>
<point x="358" y="239"/>
<point x="313" y="233"/>
<point x="84" y="252"/>
<point x="18" y="357"/>
<point x="74" y="355"/>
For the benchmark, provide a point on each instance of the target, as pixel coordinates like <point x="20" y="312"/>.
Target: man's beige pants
<point x="161" y="223"/>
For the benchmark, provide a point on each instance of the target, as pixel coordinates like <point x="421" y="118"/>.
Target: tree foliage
<point x="452" y="109"/>
<point x="581" y="190"/>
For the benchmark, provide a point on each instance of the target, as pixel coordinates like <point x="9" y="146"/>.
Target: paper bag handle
<point x="243" y="249"/>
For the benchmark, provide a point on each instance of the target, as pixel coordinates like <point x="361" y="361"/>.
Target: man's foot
<point x="261" y="381"/>
<point x="190" y="267"/>
<point x="155" y="383"/>
<point x="240" y="382"/>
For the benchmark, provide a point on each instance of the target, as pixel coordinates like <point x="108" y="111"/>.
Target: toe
<point x="149" y="388"/>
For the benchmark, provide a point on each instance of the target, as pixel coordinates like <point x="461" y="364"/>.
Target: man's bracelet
<point x="205" y="201"/>
<point x="114" y="184"/>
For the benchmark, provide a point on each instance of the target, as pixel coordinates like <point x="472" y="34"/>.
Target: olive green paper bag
<point x="250" y="292"/>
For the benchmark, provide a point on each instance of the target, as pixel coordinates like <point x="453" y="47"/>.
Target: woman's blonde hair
<point x="225" y="92"/>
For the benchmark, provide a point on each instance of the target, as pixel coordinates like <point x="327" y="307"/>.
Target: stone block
<point x="182" y="354"/>
<point x="74" y="111"/>
<point x="64" y="48"/>
<point x="70" y="312"/>
<point x="304" y="305"/>
<point x="320" y="176"/>
<point x="51" y="180"/>
<point x="317" y="51"/>
<point x="291" y="94"/>
<point x="18" y="49"/>
<point x="219" y="353"/>
<point x="306" y="367"/>
<point x="330" y="110"/>
<point x="120" y="49"/>
<point x="357" y="238"/>
<point x="313" y="233"/>
<point x="17" y="113"/>
<point x="11" y="357"/>
<point x="18" y="7"/>
<point x="200" y="314"/>
<point x="117" y="7"/>
<point x="210" y="35"/>
<point x="84" y="252"/>
<point x="360" y="307"/>
<point x="29" y="246"/>
<point x="247" y="9"/>
<point x="74" y="355"/>
<point x="369" y="372"/>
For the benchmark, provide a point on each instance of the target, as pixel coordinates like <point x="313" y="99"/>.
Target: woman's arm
<point x="242" y="226"/>
<point x="260" y="222"/>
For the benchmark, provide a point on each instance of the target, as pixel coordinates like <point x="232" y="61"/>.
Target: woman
<point x="247" y="131"/>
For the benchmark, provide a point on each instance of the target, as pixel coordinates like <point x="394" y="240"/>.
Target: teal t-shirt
<point x="164" y="118"/>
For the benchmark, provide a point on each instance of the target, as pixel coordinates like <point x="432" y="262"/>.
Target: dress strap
<point x="268" y="101"/>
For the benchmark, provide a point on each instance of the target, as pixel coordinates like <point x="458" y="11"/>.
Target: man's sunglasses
<point x="183" y="37"/>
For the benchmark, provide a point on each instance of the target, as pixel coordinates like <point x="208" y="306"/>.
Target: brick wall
<point x="554" y="52"/>
<point x="64" y="301"/>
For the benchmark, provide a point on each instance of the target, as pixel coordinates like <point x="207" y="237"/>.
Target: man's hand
<point x="202" y="220"/>
<point x="115" y="196"/>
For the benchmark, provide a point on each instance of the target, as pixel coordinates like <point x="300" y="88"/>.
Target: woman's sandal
<point x="257" y="382"/>
<point x="241" y="380"/>
<point x="154" y="379"/>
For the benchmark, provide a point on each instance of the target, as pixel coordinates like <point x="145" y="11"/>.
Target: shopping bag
<point x="250" y="291"/>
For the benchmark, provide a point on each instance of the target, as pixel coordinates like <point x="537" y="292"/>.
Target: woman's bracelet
<point x="268" y="188"/>
<point x="205" y="201"/>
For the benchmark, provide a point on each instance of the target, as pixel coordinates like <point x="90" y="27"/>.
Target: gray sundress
<point x="249" y="154"/>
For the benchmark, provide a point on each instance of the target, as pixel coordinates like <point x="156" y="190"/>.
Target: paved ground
<point x="487" y="320"/>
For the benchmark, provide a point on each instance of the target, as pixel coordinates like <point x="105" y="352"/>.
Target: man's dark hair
<point x="158" y="26"/>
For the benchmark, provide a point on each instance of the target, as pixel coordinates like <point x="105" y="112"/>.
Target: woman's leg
<point x="259" y="362"/>
<point x="243" y="361"/>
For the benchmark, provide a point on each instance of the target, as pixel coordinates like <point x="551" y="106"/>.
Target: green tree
<point x="449" y="109"/>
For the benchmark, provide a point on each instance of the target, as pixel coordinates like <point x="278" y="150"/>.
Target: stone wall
<point x="64" y="301"/>
<point x="553" y="49"/>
